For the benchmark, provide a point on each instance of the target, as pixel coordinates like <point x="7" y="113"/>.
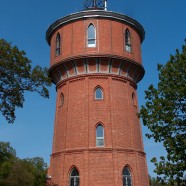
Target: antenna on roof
<point x="95" y="4"/>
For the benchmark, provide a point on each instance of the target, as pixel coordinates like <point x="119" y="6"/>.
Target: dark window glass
<point x="127" y="41"/>
<point x="127" y="179"/>
<point x="61" y="99"/>
<point x="74" y="177"/>
<point x="58" y="41"/>
<point x="134" y="99"/>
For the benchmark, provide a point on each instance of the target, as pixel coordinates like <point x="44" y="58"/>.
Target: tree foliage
<point x="16" y="77"/>
<point x="6" y="152"/>
<point x="155" y="182"/>
<point x="165" y="116"/>
<point x="16" y="172"/>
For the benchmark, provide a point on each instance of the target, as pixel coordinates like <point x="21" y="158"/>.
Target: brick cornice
<point x="68" y="70"/>
<point x="95" y="14"/>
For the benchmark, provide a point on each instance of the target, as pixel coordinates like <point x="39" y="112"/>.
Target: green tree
<point x="38" y="168"/>
<point x="16" y="172"/>
<point x="7" y="159"/>
<point x="165" y="116"/>
<point x="16" y="77"/>
<point x="154" y="182"/>
<point x="19" y="175"/>
<point x="6" y="152"/>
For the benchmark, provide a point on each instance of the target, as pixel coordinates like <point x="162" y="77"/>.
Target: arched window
<point x="98" y="93"/>
<point x="91" y="36"/>
<point x="61" y="99"/>
<point x="99" y="136"/>
<point x="127" y="179"/>
<point x="127" y="41"/>
<point x="74" y="177"/>
<point x="58" y="41"/>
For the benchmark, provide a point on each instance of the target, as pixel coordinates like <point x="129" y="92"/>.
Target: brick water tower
<point x="95" y="63"/>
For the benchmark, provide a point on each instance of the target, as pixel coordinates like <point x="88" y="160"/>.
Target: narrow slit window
<point x="98" y="93"/>
<point x="74" y="177"/>
<point x="127" y="41"/>
<point x="133" y="98"/>
<point x="91" y="36"/>
<point x="99" y="136"/>
<point x="127" y="179"/>
<point x="61" y="99"/>
<point x="58" y="43"/>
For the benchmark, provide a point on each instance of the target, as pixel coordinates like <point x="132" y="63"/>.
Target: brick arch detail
<point x="131" y="173"/>
<point x="87" y="66"/>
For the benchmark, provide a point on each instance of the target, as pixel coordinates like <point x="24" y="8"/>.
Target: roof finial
<point x="95" y="4"/>
<point x="105" y="4"/>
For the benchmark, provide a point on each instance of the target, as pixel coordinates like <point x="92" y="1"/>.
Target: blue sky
<point x="24" y="23"/>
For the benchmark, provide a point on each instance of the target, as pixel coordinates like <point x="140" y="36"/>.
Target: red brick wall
<point x="109" y="40"/>
<point x="75" y="133"/>
<point x="74" y="142"/>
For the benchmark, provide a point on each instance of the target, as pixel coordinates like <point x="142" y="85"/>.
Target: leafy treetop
<point x="16" y="77"/>
<point x="165" y="116"/>
<point x="15" y="171"/>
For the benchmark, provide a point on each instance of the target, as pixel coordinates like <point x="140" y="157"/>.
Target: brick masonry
<point x="77" y="71"/>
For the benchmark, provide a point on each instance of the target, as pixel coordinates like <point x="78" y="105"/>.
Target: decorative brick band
<point x="96" y="65"/>
<point x="98" y="150"/>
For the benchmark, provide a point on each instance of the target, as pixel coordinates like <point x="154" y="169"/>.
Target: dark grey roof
<point x="95" y="14"/>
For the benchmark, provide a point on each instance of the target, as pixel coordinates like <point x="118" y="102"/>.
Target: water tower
<point x="95" y="63"/>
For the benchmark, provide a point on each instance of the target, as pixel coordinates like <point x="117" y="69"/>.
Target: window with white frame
<point x="127" y="178"/>
<point x="99" y="136"/>
<point x="74" y="177"/>
<point x="98" y="93"/>
<point x="91" y="36"/>
<point x="127" y="41"/>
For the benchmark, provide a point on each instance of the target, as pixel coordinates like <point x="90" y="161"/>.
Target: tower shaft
<point x="96" y="64"/>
